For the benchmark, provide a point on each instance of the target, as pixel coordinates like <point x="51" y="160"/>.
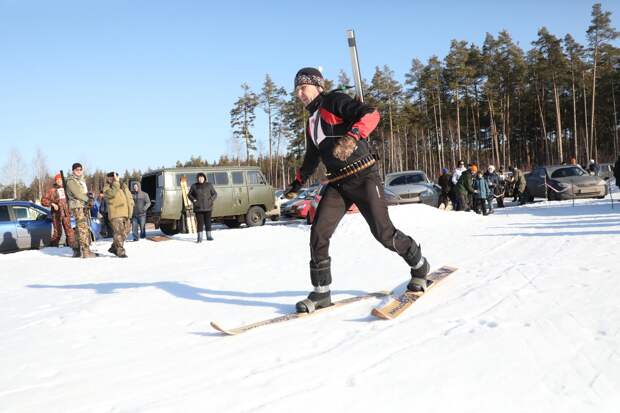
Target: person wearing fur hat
<point x="120" y="209"/>
<point x="56" y="200"/>
<point x="203" y="195"/>
<point x="337" y="134"/>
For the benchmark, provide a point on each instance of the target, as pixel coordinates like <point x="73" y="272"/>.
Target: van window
<point x="237" y="178"/>
<point x="191" y="179"/>
<point x="221" y="178"/>
<point x="4" y="213"/>
<point x="255" y="178"/>
<point x="211" y="177"/>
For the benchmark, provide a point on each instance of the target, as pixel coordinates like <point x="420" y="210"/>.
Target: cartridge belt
<point x="351" y="169"/>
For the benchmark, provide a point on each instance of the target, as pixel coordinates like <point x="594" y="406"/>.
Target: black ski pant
<point x="366" y="192"/>
<point x="203" y="219"/>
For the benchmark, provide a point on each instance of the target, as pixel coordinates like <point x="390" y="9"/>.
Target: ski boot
<point x="419" y="268"/>
<point x="320" y="274"/>
<point x="199" y="239"/>
<point x="209" y="237"/>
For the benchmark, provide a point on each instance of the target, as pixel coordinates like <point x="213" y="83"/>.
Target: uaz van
<point x="243" y="196"/>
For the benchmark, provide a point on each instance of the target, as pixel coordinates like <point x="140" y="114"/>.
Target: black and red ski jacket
<point x="338" y="115"/>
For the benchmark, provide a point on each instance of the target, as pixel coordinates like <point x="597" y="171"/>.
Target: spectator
<point x="141" y="202"/>
<point x="519" y="184"/>
<point x="481" y="193"/>
<point x="496" y="186"/>
<point x="593" y="167"/>
<point x="464" y="188"/>
<point x="455" y="179"/>
<point x="445" y="182"/>
<point x="120" y="209"/>
<point x="56" y="200"/>
<point x="203" y="195"/>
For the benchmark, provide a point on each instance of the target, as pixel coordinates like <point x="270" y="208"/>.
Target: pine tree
<point x="242" y="118"/>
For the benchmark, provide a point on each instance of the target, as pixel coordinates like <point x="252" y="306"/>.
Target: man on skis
<point x="337" y="134"/>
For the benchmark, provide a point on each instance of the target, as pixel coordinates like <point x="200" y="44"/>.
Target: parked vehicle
<point x="559" y="182"/>
<point x="413" y="186"/>
<point x="243" y="196"/>
<point x="314" y="204"/>
<point x="277" y="210"/>
<point x="26" y="225"/>
<point x="606" y="171"/>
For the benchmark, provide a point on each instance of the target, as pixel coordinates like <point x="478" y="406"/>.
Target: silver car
<point x="560" y="182"/>
<point x="412" y="186"/>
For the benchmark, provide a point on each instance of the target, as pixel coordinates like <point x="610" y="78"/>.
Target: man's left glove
<point x="292" y="190"/>
<point x="344" y="147"/>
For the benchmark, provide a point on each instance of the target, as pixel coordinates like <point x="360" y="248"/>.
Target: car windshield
<point x="408" y="179"/>
<point x="567" y="172"/>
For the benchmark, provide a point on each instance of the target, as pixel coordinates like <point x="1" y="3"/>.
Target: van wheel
<point x="255" y="216"/>
<point x="168" y="228"/>
<point x="232" y="223"/>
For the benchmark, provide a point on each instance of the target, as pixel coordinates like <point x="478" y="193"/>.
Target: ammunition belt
<point x="352" y="169"/>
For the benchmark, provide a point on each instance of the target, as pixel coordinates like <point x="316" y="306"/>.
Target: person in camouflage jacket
<point x="79" y="203"/>
<point x="56" y="200"/>
<point x="120" y="208"/>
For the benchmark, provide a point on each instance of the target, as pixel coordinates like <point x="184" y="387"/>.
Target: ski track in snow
<point x="529" y="322"/>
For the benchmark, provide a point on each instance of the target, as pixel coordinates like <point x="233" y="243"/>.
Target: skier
<point x="80" y="203"/>
<point x="56" y="200"/>
<point x="203" y="195"/>
<point x="337" y="134"/>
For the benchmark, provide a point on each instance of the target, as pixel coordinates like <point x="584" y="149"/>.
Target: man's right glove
<point x="292" y="190"/>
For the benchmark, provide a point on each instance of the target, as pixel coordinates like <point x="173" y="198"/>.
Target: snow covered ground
<point x="529" y="323"/>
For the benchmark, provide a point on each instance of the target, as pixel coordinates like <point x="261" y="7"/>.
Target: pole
<point x="355" y="64"/>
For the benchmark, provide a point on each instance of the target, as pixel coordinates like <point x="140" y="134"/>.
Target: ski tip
<point x="222" y="330"/>
<point x="380" y="314"/>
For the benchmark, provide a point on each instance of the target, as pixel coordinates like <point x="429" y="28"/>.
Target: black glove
<point x="292" y="190"/>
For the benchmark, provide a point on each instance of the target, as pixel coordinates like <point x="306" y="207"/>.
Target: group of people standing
<point x="122" y="211"/>
<point x="468" y="188"/>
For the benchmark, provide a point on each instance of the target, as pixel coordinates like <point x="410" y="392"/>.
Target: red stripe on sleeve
<point x="367" y="123"/>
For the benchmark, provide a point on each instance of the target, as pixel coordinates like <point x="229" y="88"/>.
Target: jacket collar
<point x="314" y="105"/>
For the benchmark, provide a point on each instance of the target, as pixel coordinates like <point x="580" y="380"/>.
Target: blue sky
<point x="132" y="84"/>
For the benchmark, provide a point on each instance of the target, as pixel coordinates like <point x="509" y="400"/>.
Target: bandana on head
<point x="309" y="76"/>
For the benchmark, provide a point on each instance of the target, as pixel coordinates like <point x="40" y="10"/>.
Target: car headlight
<point x="602" y="183"/>
<point x="427" y="193"/>
<point x="563" y="185"/>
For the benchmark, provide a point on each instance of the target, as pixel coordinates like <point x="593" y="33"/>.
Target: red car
<point x="311" y="212"/>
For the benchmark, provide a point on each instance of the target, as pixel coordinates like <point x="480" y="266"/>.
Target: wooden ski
<point x="190" y="217"/>
<point x="398" y="305"/>
<point x="293" y="316"/>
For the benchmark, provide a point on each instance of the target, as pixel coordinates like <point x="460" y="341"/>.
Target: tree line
<point x="493" y="103"/>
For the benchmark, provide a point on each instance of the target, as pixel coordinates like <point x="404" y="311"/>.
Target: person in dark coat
<point x="497" y="189"/>
<point x="481" y="193"/>
<point x="465" y="189"/>
<point x="142" y="202"/>
<point x="445" y="182"/>
<point x="203" y="195"/>
<point x="617" y="172"/>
